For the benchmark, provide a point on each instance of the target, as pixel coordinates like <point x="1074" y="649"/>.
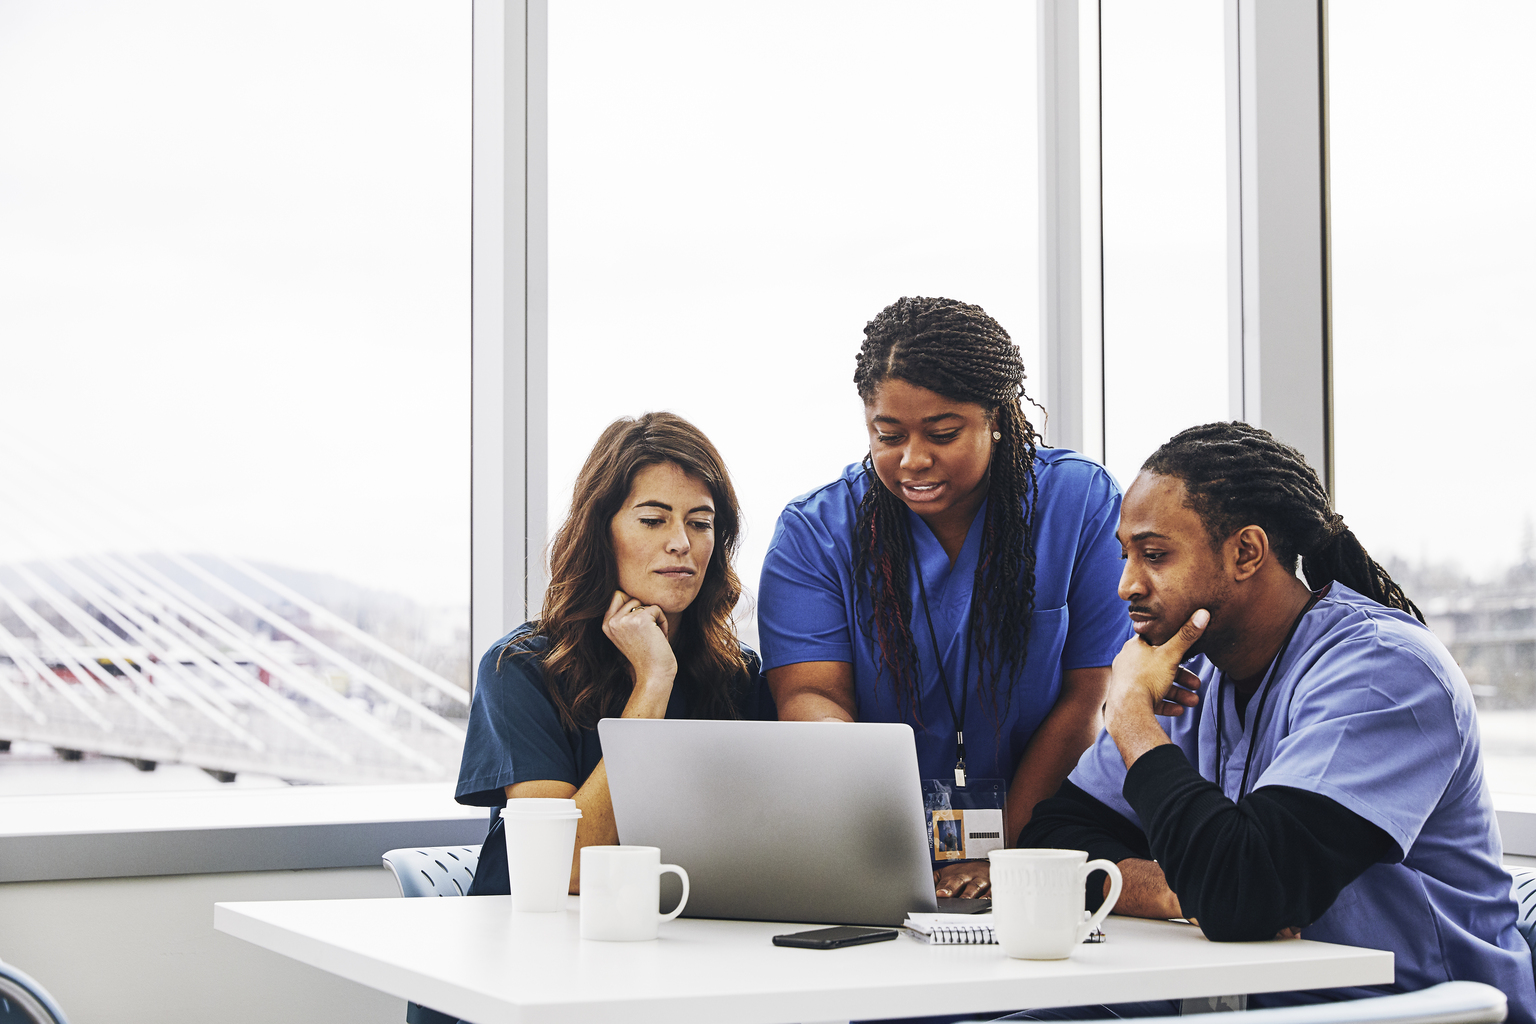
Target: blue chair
<point x="1525" y="902"/>
<point x="435" y="870"/>
<point x="24" y="1001"/>
<point x="431" y="871"/>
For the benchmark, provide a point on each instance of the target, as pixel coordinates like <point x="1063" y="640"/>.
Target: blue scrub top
<point x="515" y="735"/>
<point x="1368" y="709"/>
<point x="808" y="609"/>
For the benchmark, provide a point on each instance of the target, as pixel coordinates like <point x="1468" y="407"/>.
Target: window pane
<point x="1165" y="224"/>
<point x="736" y="189"/>
<point x="234" y="303"/>
<point x="1434" y="352"/>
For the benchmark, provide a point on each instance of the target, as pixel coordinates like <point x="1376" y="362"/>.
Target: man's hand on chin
<point x="1147" y="681"/>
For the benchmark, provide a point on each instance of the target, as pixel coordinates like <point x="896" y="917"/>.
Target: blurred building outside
<point x="230" y="667"/>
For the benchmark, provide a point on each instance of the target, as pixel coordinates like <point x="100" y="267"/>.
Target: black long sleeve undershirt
<point x="1075" y="820"/>
<point x="1277" y="859"/>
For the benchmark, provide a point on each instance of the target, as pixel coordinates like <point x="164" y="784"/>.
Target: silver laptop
<point x="776" y="821"/>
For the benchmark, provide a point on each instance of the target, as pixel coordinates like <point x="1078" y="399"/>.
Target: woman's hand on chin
<point x="639" y="631"/>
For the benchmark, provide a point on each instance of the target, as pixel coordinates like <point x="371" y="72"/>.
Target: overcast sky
<point x="1433" y="129"/>
<point x="723" y="226"/>
<point x="234" y="291"/>
<point x="234" y="254"/>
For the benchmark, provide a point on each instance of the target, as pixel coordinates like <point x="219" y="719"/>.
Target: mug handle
<point x="1113" y="870"/>
<point x="680" y="873"/>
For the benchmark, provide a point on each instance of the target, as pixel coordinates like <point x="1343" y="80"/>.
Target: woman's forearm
<point x="596" y="826"/>
<point x="813" y="691"/>
<point x="1070" y="728"/>
<point x="649" y="698"/>
<point x="813" y="707"/>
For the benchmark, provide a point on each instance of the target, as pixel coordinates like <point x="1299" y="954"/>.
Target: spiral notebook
<point x="961" y="929"/>
<point x="951" y="929"/>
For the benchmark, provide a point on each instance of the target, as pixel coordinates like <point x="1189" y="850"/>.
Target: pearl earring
<point x="997" y="435"/>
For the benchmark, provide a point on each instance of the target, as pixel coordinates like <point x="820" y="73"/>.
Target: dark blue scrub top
<point x="515" y="736"/>
<point x="807" y="609"/>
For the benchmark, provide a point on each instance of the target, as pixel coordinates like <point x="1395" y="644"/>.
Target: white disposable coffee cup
<point x="541" y="840"/>
<point x="621" y="890"/>
<point x="1037" y="901"/>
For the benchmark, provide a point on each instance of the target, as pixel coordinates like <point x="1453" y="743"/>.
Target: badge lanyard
<point x="938" y="657"/>
<point x="1258" y="713"/>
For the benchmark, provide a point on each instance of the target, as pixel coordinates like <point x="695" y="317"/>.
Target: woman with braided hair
<point x="959" y="579"/>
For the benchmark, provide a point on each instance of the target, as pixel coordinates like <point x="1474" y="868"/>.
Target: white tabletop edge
<point x="991" y="985"/>
<point x="233" y="920"/>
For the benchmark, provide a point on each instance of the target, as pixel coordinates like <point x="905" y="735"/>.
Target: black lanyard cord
<point x="1258" y="711"/>
<point x="938" y="657"/>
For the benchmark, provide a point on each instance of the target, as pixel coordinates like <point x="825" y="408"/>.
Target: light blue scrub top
<point x="806" y="609"/>
<point x="1367" y="708"/>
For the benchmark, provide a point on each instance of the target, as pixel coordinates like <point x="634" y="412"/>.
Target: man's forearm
<point x="1144" y="891"/>
<point x="1134" y="728"/>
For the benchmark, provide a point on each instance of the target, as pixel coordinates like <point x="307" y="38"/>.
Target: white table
<point x="474" y="957"/>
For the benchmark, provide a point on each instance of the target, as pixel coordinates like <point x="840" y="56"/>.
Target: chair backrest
<point x="24" y="1000"/>
<point x="1525" y="903"/>
<point x="434" y="870"/>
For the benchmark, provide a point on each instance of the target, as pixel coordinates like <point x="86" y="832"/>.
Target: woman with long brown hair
<point x="636" y="623"/>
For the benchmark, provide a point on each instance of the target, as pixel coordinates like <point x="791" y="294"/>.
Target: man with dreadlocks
<point x="959" y="579"/>
<point x="1317" y="770"/>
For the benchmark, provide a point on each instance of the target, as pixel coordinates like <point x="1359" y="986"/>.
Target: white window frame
<point x="509" y="317"/>
<point x="1279" y="358"/>
<point x="1071" y="228"/>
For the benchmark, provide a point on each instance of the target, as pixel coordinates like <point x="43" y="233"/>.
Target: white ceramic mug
<point x="541" y="839"/>
<point x="621" y="890"/>
<point x="1037" y="901"/>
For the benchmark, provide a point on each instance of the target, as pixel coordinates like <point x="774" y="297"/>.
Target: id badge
<point x="964" y="822"/>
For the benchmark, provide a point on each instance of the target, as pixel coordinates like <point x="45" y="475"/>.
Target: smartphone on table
<point x="834" y="938"/>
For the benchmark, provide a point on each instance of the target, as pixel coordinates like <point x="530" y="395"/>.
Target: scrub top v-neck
<point x="809" y="610"/>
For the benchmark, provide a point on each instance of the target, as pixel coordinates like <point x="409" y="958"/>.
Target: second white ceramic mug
<point x="620" y="891"/>
<point x="1037" y="901"/>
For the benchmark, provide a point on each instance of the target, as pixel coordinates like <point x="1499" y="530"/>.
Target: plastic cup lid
<point x="541" y="807"/>
<point x="540" y="815"/>
<point x="553" y="803"/>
